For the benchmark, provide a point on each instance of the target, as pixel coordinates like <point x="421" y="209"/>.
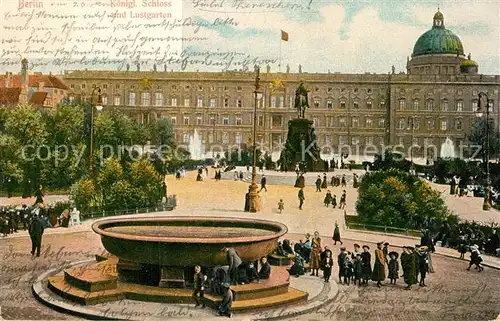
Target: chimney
<point x="41" y="86"/>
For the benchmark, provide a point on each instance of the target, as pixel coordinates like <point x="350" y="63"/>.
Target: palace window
<point x="355" y="90"/>
<point x="381" y="123"/>
<point x="237" y="138"/>
<point x="186" y="102"/>
<point x="213" y="103"/>
<point x="430" y="124"/>
<point x="329" y="104"/>
<point x="117" y="86"/>
<point x="225" y="121"/>
<point x="145" y="99"/>
<point x="328" y="139"/>
<point x="342" y="122"/>
<point x="238" y="120"/>
<point x="381" y="140"/>
<point x="402" y="123"/>
<point x="174" y="102"/>
<point x="276" y="121"/>
<point x="200" y="88"/>
<point x="226" y="102"/>
<point x="105" y="100"/>
<point x="416" y="104"/>
<point x="316" y="102"/>
<point x="273" y="101"/>
<point x="369" y="140"/>
<point x="282" y="101"/>
<point x="474" y="105"/>
<point x="186" y="120"/>
<point x="131" y="99"/>
<point x="369" y="104"/>
<point x="355" y="140"/>
<point x="444" y="125"/>
<point x="342" y="104"/>
<point x="212" y="120"/>
<point x="210" y="138"/>
<point x="173" y="120"/>
<point x="368" y="123"/>
<point x="117" y="100"/>
<point x="159" y="99"/>
<point x="444" y="105"/>
<point x="199" y="120"/>
<point x="402" y="104"/>
<point x="416" y="123"/>
<point x="356" y="105"/>
<point x="341" y="140"/>
<point x="261" y="121"/>
<point x="185" y="138"/>
<point x="83" y="86"/>
<point x="225" y="138"/>
<point x="199" y="102"/>
<point x="355" y="122"/>
<point x="238" y="88"/>
<point x="382" y="104"/>
<point x="458" y="124"/>
<point x="238" y="103"/>
<point x="460" y="105"/>
<point x="430" y="105"/>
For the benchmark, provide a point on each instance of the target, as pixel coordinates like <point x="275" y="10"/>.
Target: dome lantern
<point x="438" y="20"/>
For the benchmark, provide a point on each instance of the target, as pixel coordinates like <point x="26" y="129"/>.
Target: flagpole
<point x="279" y="66"/>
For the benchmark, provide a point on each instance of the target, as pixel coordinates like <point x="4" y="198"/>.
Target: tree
<point x="477" y="138"/>
<point x="390" y="160"/>
<point x="399" y="199"/>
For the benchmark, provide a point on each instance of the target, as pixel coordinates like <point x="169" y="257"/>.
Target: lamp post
<point x="97" y="106"/>
<point x="255" y="204"/>
<point x="487" y="194"/>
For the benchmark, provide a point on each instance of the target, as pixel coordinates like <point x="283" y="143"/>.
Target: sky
<point x="354" y="36"/>
<point x="345" y="36"/>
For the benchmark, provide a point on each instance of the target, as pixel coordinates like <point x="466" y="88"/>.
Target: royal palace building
<point x="434" y="101"/>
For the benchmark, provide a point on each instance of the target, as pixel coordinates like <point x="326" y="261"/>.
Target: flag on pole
<point x="284" y="35"/>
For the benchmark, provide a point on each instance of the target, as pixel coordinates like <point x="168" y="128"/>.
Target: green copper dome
<point x="438" y="40"/>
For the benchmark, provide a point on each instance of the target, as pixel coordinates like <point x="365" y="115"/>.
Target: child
<point x="281" y="205"/>
<point x="328" y="198"/>
<point x="358" y="268"/>
<point x="348" y="269"/>
<point x="334" y="201"/>
<point x="393" y="267"/>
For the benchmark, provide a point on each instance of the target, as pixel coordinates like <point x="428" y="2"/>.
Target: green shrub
<point x="399" y="199"/>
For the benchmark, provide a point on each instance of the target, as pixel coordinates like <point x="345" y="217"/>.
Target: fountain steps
<point x="98" y="283"/>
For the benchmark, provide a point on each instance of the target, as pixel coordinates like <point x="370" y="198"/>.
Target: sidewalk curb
<point x="384" y="234"/>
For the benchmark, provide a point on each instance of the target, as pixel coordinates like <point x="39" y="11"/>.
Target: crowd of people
<point x="355" y="267"/>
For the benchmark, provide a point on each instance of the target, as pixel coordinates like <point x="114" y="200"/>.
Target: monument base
<point x="301" y="148"/>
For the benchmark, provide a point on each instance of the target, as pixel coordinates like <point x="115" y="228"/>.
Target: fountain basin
<point x="187" y="241"/>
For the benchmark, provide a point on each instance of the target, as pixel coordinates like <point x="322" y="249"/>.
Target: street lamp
<point x="97" y="106"/>
<point x="255" y="204"/>
<point x="487" y="194"/>
<point x="411" y="122"/>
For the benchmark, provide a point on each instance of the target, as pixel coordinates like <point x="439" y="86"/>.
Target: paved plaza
<point x="452" y="293"/>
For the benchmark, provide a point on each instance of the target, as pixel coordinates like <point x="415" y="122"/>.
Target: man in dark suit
<point x="265" y="269"/>
<point x="234" y="261"/>
<point x="36" y="232"/>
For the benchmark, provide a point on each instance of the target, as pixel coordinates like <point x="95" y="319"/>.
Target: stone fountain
<point x="447" y="149"/>
<point x="195" y="146"/>
<point x="152" y="259"/>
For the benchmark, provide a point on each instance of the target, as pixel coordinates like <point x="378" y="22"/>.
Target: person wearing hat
<point x="263" y="182"/>
<point x="36" y="231"/>
<point x="315" y="253"/>
<point x="342" y="200"/>
<point x="378" y="273"/>
<point x="328" y="198"/>
<point x="475" y="258"/>
<point x="336" y="234"/>
<point x="324" y="184"/>
<point x="341" y="258"/>
<point x="356" y="250"/>
<point x="393" y="267"/>
<point x="327" y="265"/>
<point x="423" y="263"/>
<point x="366" y="267"/>
<point x="199" y="288"/>
<point x="358" y="268"/>
<point x="227" y="301"/>
<point x="409" y="264"/>
<point x="318" y="184"/>
<point x="234" y="261"/>
<point x="301" y="197"/>
<point x="386" y="252"/>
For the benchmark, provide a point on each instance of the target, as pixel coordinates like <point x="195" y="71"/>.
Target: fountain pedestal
<point x="172" y="277"/>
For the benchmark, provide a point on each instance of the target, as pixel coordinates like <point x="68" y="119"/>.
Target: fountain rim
<point x="96" y="227"/>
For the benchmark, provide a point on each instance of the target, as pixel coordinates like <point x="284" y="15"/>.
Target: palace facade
<point x="435" y="100"/>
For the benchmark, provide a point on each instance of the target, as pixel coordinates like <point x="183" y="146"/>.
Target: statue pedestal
<point x="301" y="147"/>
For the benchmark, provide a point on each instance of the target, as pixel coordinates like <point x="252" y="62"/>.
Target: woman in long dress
<point x="366" y="265"/>
<point x="316" y="249"/>
<point x="379" y="267"/>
